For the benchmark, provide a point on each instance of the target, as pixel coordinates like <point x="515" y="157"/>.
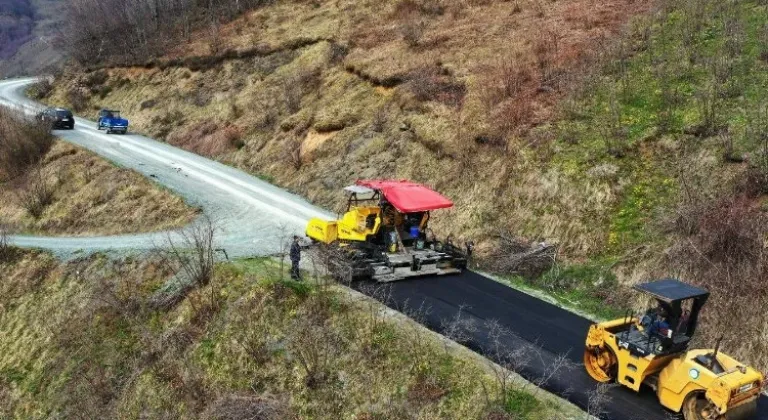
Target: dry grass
<point x="391" y="98"/>
<point x="25" y="142"/>
<point x="81" y="339"/>
<point x="452" y="105"/>
<point x="85" y="195"/>
<point x="208" y="139"/>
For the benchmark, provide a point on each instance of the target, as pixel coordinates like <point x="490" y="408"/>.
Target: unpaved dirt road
<point x="253" y="214"/>
<point x="250" y="213"/>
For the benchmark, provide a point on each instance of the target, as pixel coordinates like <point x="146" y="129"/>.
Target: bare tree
<point x="24" y="142"/>
<point x="515" y="255"/>
<point x="195" y="252"/>
<point x="316" y="346"/>
<point x="598" y="399"/>
<point x="191" y="254"/>
<point x="131" y="31"/>
<point x="505" y="360"/>
<point x="37" y="193"/>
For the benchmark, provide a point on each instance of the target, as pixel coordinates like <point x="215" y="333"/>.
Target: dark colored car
<point x="58" y="118"/>
<point x="111" y="121"/>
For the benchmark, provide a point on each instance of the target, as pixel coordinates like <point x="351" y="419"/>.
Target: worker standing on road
<point x="295" y="258"/>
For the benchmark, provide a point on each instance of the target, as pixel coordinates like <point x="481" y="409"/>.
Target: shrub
<point x="511" y="77"/>
<point x="295" y="87"/>
<point x="405" y="9"/>
<point x="244" y="406"/>
<point x="24" y="143"/>
<point x="94" y="79"/>
<point x="520" y="403"/>
<point x="379" y="119"/>
<point x="148" y="104"/>
<point x="432" y="84"/>
<point x="513" y="116"/>
<point x="338" y="52"/>
<point x="412" y="31"/>
<point x="77" y="99"/>
<point x="730" y="231"/>
<point x="292" y="152"/>
<point x="37" y="194"/>
<point x="41" y="89"/>
<point x="208" y="138"/>
<point x="726" y="255"/>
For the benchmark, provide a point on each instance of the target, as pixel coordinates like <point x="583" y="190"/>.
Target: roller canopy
<point x="408" y="197"/>
<point x="669" y="290"/>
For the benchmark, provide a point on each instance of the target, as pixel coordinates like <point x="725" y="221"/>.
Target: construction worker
<point x="295" y="258"/>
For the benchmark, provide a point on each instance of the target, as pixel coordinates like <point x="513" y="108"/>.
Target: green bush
<point x="520" y="403"/>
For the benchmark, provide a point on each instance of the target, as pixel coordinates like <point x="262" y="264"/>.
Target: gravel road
<point x="250" y="213"/>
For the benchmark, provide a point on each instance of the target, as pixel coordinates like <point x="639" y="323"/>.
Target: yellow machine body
<point x="384" y="234"/>
<point x="355" y="225"/>
<point x="679" y="379"/>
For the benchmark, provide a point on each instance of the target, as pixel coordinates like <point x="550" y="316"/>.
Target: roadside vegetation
<point x="674" y="128"/>
<point x="630" y="134"/>
<point x="50" y="187"/>
<point x="98" y="337"/>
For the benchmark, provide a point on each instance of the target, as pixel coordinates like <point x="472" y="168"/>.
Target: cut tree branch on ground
<point x="515" y="255"/>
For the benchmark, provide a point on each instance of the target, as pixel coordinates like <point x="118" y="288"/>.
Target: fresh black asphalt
<point x="536" y="334"/>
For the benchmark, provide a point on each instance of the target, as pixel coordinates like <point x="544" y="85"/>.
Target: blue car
<point x="110" y="120"/>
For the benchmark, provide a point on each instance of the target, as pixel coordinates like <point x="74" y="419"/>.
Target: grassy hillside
<point x="632" y="135"/>
<point x="334" y="91"/>
<point x="83" y="194"/>
<point x="86" y="339"/>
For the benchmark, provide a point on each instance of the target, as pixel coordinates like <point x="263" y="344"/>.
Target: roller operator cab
<point x="384" y="234"/>
<point x="652" y="349"/>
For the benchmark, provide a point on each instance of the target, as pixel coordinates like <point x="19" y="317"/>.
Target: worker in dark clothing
<point x="660" y="325"/>
<point x="295" y="258"/>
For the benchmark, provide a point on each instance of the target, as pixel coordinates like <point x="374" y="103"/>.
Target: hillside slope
<point x="86" y="339"/>
<point x="634" y="136"/>
<point x="329" y="92"/>
<point x="29" y="49"/>
<point x="88" y="196"/>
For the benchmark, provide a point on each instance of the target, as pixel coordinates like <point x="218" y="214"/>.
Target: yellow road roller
<point x="651" y="349"/>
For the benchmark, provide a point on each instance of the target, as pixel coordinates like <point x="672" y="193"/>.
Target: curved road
<point x="252" y="214"/>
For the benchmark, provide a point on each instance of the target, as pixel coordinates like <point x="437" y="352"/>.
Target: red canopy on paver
<point x="407" y="196"/>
